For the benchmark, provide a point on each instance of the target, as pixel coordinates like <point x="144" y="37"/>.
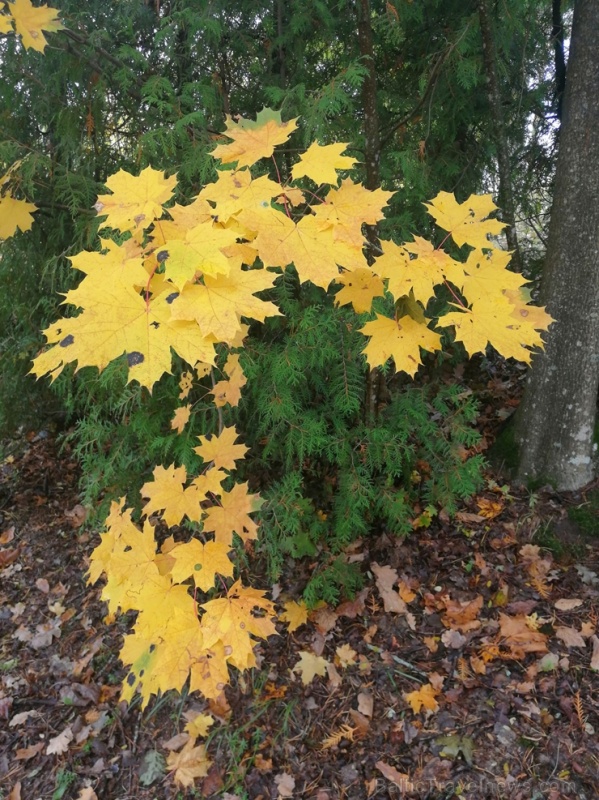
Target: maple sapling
<point x="226" y="247"/>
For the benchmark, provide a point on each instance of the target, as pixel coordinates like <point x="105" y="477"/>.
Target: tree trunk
<point x="372" y="158"/>
<point x="557" y="417"/>
<point x="506" y="191"/>
<point x="557" y="36"/>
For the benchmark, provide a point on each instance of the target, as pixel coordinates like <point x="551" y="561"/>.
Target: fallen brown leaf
<point x="189" y="764"/>
<point x="25" y="753"/>
<point x="400" y="779"/>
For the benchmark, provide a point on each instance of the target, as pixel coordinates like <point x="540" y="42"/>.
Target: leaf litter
<point x="480" y="676"/>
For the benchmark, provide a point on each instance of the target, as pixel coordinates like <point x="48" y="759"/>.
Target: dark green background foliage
<point x="134" y="83"/>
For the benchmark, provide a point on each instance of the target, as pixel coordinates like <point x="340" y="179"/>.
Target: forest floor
<point x="467" y="667"/>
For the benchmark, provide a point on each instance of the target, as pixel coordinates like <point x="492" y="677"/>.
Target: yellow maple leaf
<point x="185" y="385"/>
<point x="349" y="207"/>
<point x="189" y="216"/>
<point x="167" y="494"/>
<point x="5" y="23"/>
<point x="466" y="222"/>
<point x="118" y="523"/>
<point x="229" y="391"/>
<point x="221" y="449"/>
<point x="233" y="515"/>
<point x="210" y="672"/>
<point x="321" y="162"/>
<point x="188" y="764"/>
<point x="115" y="267"/>
<point x="533" y="316"/>
<point x="30" y="22"/>
<point x="218" y="303"/>
<point x="198" y="724"/>
<point x="346" y="655"/>
<point x="491" y="321"/>
<point x="133" y="570"/>
<point x="398" y="339"/>
<point x="236" y="189"/>
<point x="309" y="666"/>
<point x="485" y="274"/>
<point x="166" y="643"/>
<point x="231" y="619"/>
<point x="312" y="249"/>
<point x="253" y="140"/>
<point x="201" y="562"/>
<point x="295" y="614"/>
<point x="15" y="214"/>
<point x="200" y="252"/>
<point x="423" y="698"/>
<point x="181" y="418"/>
<point x="430" y="267"/>
<point x="118" y="320"/>
<point x="360" y="287"/>
<point x="135" y="199"/>
<point x="209" y="482"/>
<point x="295" y="196"/>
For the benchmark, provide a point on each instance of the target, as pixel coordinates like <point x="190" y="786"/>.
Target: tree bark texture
<point x="557" y="417"/>
<point x="506" y="191"/>
<point x="557" y="36"/>
<point x="372" y="158"/>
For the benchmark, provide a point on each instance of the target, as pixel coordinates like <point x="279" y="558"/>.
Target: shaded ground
<point x="492" y="632"/>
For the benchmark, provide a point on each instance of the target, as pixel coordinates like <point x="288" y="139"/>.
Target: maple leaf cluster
<point x="186" y="278"/>
<point x="174" y="640"/>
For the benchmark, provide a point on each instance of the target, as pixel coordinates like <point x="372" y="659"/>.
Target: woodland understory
<point x="525" y="727"/>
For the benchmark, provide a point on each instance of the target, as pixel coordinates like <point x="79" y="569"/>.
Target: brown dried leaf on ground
<point x="60" y="744"/>
<point x="516" y="634"/>
<point x="189" y="764"/>
<point x="400" y="779"/>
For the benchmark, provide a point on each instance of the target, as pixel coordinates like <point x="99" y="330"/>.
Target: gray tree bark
<point x="557" y="417"/>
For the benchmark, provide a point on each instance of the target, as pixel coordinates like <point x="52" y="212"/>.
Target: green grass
<point x="586" y="516"/>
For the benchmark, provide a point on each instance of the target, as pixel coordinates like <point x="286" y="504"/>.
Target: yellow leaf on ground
<point x="295" y="614"/>
<point x="346" y="655"/>
<point x="423" y="698"/>
<point x="198" y="724"/>
<point x="309" y="666"/>
<point x="188" y="764"/>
